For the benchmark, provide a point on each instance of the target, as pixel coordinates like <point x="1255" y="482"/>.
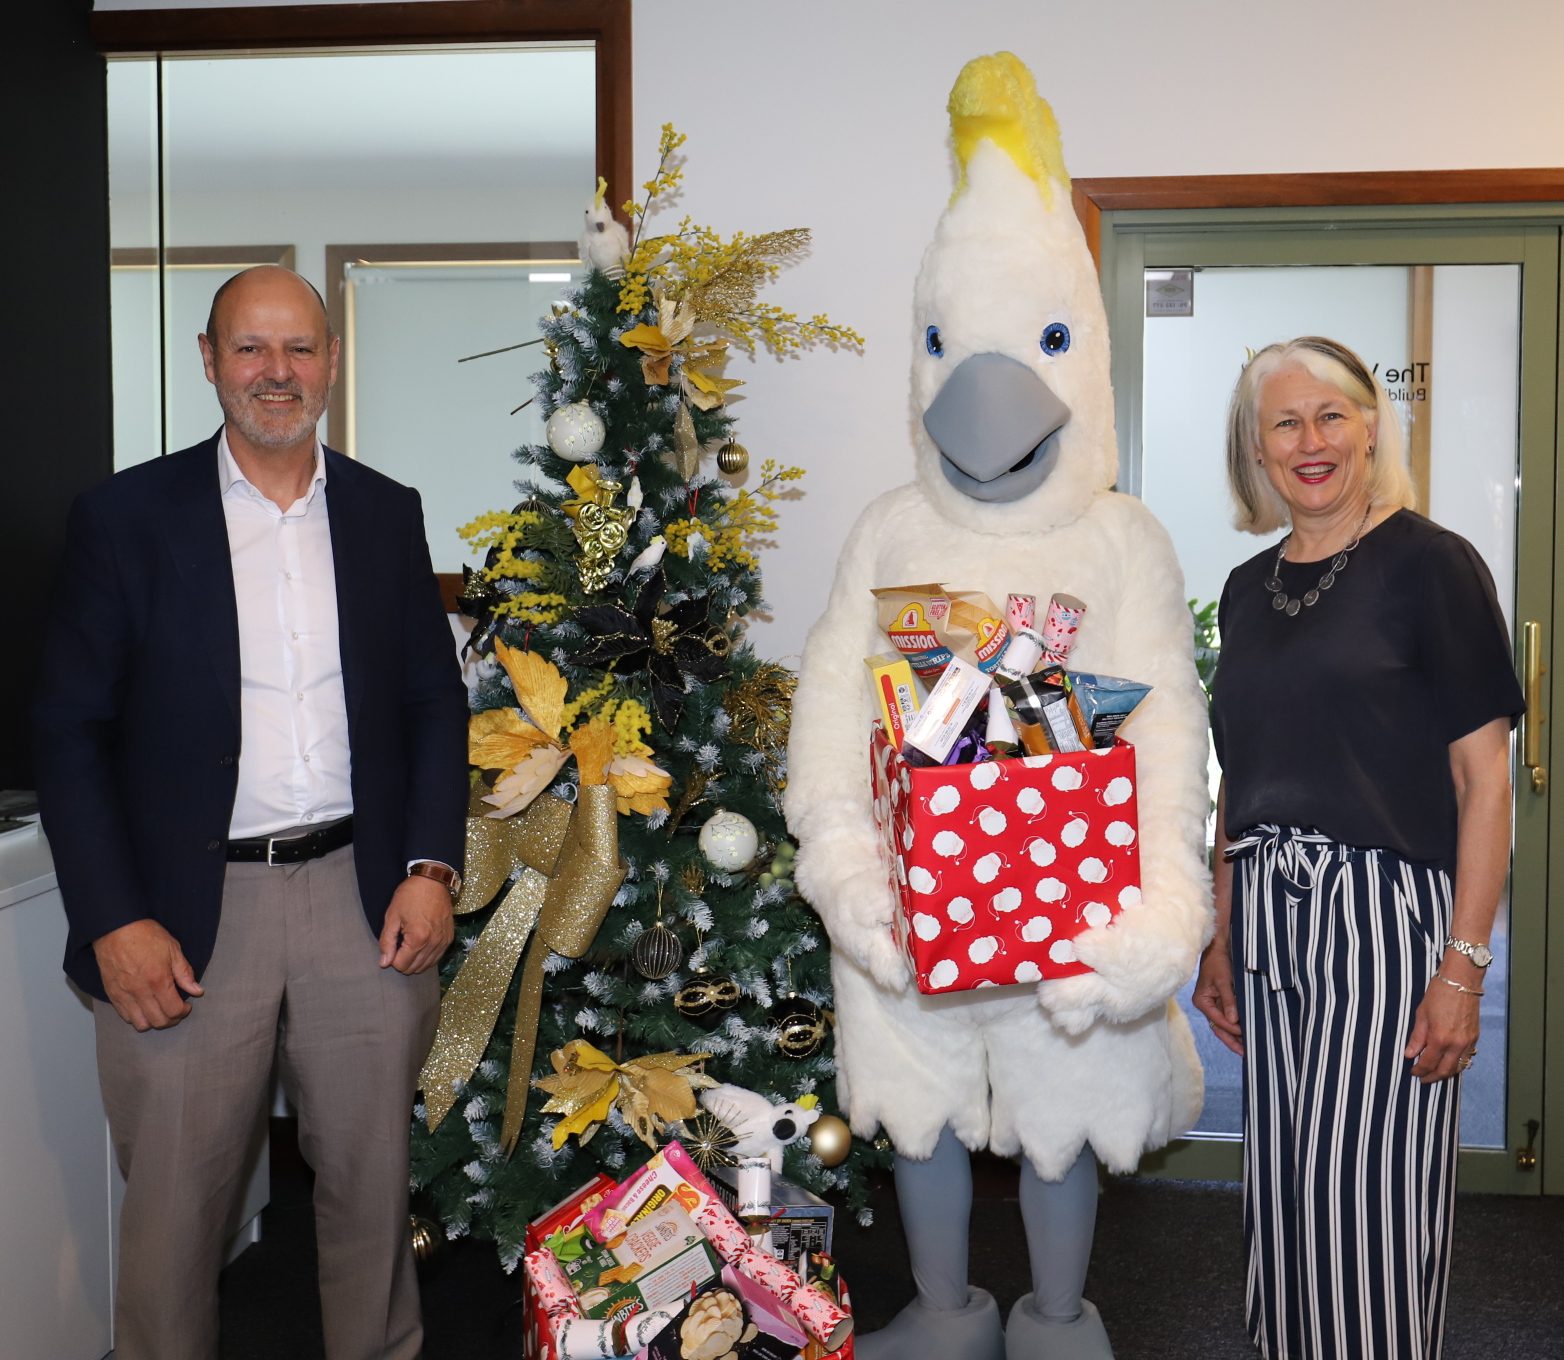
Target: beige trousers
<point x="294" y="977"/>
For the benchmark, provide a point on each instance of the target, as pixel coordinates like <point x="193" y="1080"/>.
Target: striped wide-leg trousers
<point x="1349" y="1160"/>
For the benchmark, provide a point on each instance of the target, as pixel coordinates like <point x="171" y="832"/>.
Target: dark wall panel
<point x="56" y="436"/>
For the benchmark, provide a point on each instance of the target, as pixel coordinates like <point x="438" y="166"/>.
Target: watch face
<point x="1482" y="956"/>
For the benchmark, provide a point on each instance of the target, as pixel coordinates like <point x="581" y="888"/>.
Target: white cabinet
<point x="59" y="1189"/>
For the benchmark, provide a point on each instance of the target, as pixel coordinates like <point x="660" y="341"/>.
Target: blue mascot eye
<point x="1056" y="338"/>
<point x="933" y="343"/>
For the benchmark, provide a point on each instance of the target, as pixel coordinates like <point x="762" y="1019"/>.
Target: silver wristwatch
<point x="1479" y="954"/>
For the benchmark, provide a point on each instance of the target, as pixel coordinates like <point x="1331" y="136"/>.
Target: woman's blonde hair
<point x="1259" y="509"/>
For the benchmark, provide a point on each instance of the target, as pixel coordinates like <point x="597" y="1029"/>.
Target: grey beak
<point x="992" y="422"/>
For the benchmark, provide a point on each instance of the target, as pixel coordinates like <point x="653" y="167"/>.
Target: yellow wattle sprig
<point x="589" y="701"/>
<point x="630" y="722"/>
<point x="719" y="279"/>
<point x="736" y="527"/>
<point x="502" y="533"/>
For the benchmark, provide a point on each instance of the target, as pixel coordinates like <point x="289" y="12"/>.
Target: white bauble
<point x="575" y="432"/>
<point x="729" y="841"/>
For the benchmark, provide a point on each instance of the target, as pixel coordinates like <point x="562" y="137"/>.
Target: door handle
<point x="1532" y="721"/>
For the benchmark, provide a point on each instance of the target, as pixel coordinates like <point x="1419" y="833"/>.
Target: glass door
<point x="1461" y="327"/>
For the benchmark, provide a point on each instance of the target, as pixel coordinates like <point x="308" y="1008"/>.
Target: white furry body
<point x="992" y="1064"/>
<point x="1106" y="1057"/>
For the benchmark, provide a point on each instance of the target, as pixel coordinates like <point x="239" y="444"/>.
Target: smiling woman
<point x="1361" y="711"/>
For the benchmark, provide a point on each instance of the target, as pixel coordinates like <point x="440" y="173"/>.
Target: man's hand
<point x="419" y="925"/>
<point x="1214" y="996"/>
<point x="144" y="971"/>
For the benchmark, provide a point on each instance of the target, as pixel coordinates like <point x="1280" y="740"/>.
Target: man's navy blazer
<point x="137" y="718"/>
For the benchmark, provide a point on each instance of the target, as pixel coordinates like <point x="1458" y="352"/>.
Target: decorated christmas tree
<point x="629" y="904"/>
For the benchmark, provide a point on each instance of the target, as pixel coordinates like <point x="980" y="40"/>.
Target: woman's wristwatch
<point x="1479" y="954"/>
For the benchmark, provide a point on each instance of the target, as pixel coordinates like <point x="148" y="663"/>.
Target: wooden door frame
<point x="1361" y="189"/>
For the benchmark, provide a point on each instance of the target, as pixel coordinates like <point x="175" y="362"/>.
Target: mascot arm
<point x="828" y="805"/>
<point x="1151" y="948"/>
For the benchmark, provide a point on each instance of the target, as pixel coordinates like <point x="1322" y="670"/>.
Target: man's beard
<point x="242" y="411"/>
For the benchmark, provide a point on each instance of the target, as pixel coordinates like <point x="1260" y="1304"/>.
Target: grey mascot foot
<point x="1029" y="1337"/>
<point x="922" y="1333"/>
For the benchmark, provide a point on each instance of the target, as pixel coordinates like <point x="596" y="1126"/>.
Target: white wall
<point x="831" y="115"/>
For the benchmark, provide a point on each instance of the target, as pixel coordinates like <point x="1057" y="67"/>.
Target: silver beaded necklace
<point x="1291" y="605"/>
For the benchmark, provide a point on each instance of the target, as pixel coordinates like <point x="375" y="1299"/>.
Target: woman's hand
<point x="1444" y="1033"/>
<point x="1214" y="997"/>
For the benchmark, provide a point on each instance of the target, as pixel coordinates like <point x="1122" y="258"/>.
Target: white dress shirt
<point x="294" y="764"/>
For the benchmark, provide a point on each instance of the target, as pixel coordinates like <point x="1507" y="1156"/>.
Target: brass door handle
<point x="1532" y="721"/>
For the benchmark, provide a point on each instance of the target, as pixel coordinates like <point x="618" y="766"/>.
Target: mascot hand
<point x="846" y="883"/>
<point x="1139" y="960"/>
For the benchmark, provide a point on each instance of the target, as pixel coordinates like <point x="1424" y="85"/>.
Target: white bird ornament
<point x="761" y="1128"/>
<point x="604" y="243"/>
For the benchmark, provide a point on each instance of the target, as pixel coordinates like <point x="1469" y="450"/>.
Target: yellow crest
<point x="994" y="99"/>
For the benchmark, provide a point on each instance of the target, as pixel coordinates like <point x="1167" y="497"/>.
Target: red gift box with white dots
<point x="1000" y="865"/>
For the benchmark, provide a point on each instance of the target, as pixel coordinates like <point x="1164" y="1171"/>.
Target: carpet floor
<point x="1166" y="1273"/>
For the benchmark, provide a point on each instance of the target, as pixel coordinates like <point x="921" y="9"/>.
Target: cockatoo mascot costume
<point x="1015" y="461"/>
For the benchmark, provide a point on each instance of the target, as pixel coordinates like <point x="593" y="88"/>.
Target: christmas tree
<point x="618" y="701"/>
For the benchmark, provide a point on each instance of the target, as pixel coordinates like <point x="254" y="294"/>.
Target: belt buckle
<point x="271" y="844"/>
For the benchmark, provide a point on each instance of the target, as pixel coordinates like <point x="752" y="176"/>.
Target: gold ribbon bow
<point x="570" y="871"/>
<point x="652" y="1091"/>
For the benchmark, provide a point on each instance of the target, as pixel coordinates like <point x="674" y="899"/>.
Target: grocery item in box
<point x="655" y="1261"/>
<point x="568" y="1335"/>
<point x="999" y="866"/>
<point x="800" y="1220"/>
<point x="929" y="624"/>
<point x="732" y="1319"/>
<point x="560" y="1229"/>
<point x="939" y="724"/>
<point x="669" y="1175"/>
<point x="895" y="692"/>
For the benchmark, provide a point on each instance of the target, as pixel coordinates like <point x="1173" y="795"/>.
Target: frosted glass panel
<point x="136" y="323"/>
<point x="217" y="163"/>
<point x="1466" y="393"/>
<point x="422" y="417"/>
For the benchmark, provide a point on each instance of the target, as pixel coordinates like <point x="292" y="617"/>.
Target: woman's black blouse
<point x="1341" y="718"/>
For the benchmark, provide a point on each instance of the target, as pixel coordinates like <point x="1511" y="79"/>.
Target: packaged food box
<point x="655" y="1262"/>
<point x="999" y="865"/>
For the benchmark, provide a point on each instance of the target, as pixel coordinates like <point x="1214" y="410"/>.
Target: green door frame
<point x="1132" y="241"/>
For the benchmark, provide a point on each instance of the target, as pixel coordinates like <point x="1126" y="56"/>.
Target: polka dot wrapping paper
<point x="1000" y="865"/>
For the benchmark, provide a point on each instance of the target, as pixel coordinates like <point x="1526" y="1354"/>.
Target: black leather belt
<point x="292" y="849"/>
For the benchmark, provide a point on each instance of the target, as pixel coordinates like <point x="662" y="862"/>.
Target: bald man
<point x="251" y="742"/>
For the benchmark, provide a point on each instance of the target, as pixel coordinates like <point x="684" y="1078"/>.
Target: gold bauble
<point x="830" y="1139"/>
<point x="428" y="1240"/>
<point x="732" y="458"/>
<point x="656" y="952"/>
